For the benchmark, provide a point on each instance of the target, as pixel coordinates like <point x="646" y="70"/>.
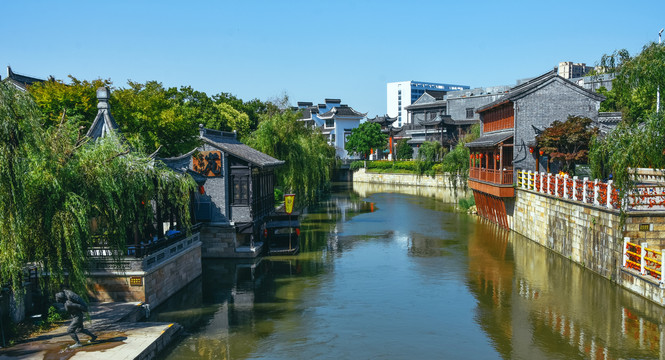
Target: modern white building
<point x="336" y="120"/>
<point x="570" y="70"/>
<point x="401" y="94"/>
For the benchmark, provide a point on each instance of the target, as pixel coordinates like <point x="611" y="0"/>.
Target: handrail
<point x="648" y="262"/>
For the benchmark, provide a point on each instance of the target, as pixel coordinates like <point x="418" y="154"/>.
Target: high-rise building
<point x="404" y="93"/>
<point x="569" y="69"/>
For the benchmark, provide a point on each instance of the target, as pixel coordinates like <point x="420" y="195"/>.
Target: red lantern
<point x="498" y="157"/>
<point x="531" y="149"/>
<point x="202" y="190"/>
<point x="481" y="156"/>
<point x="541" y="153"/>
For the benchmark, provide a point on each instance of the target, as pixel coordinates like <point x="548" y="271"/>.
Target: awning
<point x="490" y="140"/>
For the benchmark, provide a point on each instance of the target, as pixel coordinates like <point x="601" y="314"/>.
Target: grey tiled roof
<point x="20" y="81"/>
<point x="228" y="143"/>
<point x="491" y="139"/>
<point x="609" y="117"/>
<point x="526" y="87"/>
<point x="383" y="120"/>
<point x="341" y="111"/>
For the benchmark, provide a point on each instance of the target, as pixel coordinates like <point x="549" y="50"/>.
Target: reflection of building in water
<point x="537" y="304"/>
<point x="447" y="195"/>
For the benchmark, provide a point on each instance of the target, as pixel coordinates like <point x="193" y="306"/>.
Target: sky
<point x="312" y="50"/>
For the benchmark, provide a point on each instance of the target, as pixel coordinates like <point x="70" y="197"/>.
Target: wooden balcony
<point x="497" y="182"/>
<point x="495" y="176"/>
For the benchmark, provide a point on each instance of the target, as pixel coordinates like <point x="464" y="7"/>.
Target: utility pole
<point x="658" y="89"/>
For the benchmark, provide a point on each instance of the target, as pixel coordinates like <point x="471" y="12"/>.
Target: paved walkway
<point x="119" y="337"/>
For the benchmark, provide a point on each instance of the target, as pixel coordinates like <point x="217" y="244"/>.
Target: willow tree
<point x="308" y="158"/>
<point x="53" y="183"/>
<point x="637" y="80"/>
<point x="630" y="145"/>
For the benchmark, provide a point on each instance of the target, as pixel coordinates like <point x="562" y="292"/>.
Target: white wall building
<point x="401" y="94"/>
<point x="336" y="120"/>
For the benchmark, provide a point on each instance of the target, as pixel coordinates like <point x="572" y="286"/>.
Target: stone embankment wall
<point x="156" y="284"/>
<point x="439" y="180"/>
<point x="585" y="234"/>
<point x="590" y="236"/>
<point x="218" y="241"/>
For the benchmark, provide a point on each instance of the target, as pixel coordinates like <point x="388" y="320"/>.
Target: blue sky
<point x="315" y="50"/>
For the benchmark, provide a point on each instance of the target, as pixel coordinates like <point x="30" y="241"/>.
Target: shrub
<point x="466" y="204"/>
<point x="358" y="164"/>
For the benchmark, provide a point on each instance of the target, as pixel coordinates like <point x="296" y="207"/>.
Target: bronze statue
<point x="75" y="306"/>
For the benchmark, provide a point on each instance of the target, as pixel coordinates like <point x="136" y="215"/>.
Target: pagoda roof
<point x="383" y="120"/>
<point x="104" y="122"/>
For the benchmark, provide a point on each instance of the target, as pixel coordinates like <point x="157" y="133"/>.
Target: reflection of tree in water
<point x="534" y="303"/>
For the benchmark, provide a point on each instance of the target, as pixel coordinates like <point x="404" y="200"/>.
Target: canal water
<point x="385" y="275"/>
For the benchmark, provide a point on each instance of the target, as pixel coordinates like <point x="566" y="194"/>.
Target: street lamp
<point x="658" y="89"/>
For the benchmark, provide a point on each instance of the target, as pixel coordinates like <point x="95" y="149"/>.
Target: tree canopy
<point x="365" y="137"/>
<point x="567" y="142"/>
<point x="150" y="115"/>
<point x="403" y="150"/>
<point x="637" y="80"/>
<point x="54" y="183"/>
<point x="308" y="158"/>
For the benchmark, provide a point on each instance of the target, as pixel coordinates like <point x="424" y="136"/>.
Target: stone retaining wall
<point x="589" y="235"/>
<point x="439" y="180"/>
<point x="156" y="285"/>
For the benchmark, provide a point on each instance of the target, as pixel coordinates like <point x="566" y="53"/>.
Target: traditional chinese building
<point x="508" y="132"/>
<point x="235" y="192"/>
<point x="387" y="128"/>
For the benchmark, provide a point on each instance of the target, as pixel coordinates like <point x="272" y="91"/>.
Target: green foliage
<point x="428" y="153"/>
<point x="279" y="195"/>
<point x="358" y="164"/>
<point x="54" y="183"/>
<point x="466" y="203"/>
<point x="78" y="100"/>
<point x="150" y="115"/>
<point x="637" y="79"/>
<point x="567" y="142"/>
<point x="308" y="157"/>
<point x="629" y="146"/>
<point x="404" y="151"/>
<point x="54" y="315"/>
<point x="365" y="137"/>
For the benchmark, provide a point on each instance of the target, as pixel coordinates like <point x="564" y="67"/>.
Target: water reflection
<point x="402" y="276"/>
<point x="536" y="304"/>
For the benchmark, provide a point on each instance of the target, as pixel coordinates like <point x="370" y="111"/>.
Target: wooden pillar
<point x="501" y="163"/>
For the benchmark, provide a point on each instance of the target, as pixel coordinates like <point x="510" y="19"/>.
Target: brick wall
<point x="554" y="101"/>
<point x="218" y="241"/>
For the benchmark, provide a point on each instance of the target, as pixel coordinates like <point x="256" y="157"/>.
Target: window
<point x="330" y="123"/>
<point x="469" y="113"/>
<point x="240" y="190"/>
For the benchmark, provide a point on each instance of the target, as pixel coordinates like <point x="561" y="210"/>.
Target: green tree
<point x="567" y="142"/>
<point x="308" y="158"/>
<point x="629" y="146"/>
<point x="637" y="80"/>
<point x="403" y="151"/>
<point x="365" y="137"/>
<point x="54" y="184"/>
<point x="78" y="100"/>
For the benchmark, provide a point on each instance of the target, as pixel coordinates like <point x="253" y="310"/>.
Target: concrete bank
<point x="120" y="336"/>
<point x="440" y="186"/>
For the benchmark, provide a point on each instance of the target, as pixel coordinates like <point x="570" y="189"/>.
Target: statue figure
<point x="75" y="306"/>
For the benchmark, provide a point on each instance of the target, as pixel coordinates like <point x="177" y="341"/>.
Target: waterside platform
<point x="120" y="336"/>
